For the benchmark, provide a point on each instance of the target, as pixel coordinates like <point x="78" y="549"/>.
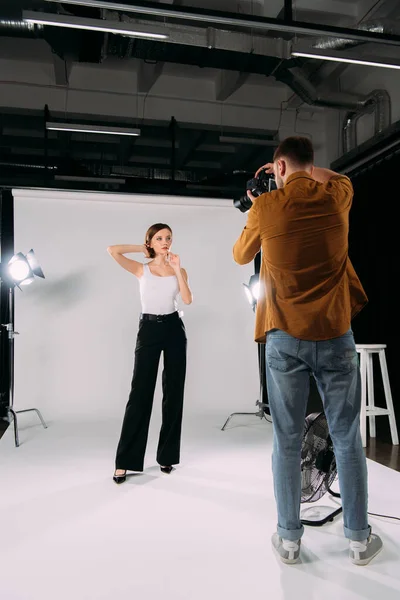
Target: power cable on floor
<point x="383" y="516"/>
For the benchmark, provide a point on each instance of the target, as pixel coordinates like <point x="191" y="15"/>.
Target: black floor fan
<point x="318" y="465"/>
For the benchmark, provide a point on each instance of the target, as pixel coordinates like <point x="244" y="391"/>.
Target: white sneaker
<point x="361" y="553"/>
<point x="288" y="551"/>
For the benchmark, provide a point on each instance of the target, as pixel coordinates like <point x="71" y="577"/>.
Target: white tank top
<point x="159" y="295"/>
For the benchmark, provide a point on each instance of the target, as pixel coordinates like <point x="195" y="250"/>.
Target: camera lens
<point x="243" y="203"/>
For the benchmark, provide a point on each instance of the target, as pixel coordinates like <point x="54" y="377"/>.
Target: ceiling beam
<point x="147" y="75"/>
<point x="330" y="74"/>
<point x="319" y="17"/>
<point x="125" y="149"/>
<point x="376" y="10"/>
<point x="188" y="143"/>
<point x="227" y="83"/>
<point x="62" y="70"/>
<point x="253" y="22"/>
<point x="288" y="11"/>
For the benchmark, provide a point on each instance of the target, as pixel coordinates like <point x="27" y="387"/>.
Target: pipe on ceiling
<point x="378" y="102"/>
<point x="382" y="26"/>
<point x="235" y="20"/>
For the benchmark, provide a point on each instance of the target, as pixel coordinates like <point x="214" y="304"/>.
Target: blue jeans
<point x="334" y="365"/>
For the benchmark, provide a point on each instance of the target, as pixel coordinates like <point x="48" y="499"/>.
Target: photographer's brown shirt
<point x="308" y="286"/>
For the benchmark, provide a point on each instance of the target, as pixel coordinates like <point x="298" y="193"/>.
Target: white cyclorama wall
<point x="74" y="355"/>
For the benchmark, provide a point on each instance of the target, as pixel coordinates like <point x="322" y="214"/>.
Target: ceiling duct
<point x="301" y="85"/>
<point x="377" y="102"/>
<point x="383" y="26"/>
<point x="18" y="27"/>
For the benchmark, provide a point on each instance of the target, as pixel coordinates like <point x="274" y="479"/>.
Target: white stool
<point x="368" y="408"/>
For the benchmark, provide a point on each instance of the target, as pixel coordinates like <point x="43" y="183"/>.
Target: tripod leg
<point x="15" y="426"/>
<point x="227" y="421"/>
<point x="40" y="417"/>
<point x="37" y="412"/>
<point x="257" y="414"/>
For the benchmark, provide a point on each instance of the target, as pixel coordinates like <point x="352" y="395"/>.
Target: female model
<point x="160" y="330"/>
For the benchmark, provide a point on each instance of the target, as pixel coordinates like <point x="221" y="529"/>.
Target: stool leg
<point x="371" y="400"/>
<point x="363" y="415"/>
<point x="389" y="400"/>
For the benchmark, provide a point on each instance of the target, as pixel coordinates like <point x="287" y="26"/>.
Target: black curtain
<point x="6" y="252"/>
<point x="373" y="239"/>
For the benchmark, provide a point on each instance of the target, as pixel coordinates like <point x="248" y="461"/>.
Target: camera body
<point x="260" y="184"/>
<point x="257" y="186"/>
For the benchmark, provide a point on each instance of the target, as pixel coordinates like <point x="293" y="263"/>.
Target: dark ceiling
<point x="168" y="157"/>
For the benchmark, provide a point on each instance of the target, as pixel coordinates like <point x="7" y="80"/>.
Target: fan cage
<point x="318" y="464"/>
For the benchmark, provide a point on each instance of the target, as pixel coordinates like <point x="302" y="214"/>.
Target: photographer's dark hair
<point x="151" y="232"/>
<point x="297" y="150"/>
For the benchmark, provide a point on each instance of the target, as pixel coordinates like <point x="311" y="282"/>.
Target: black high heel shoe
<point x="167" y="470"/>
<point x="119" y="478"/>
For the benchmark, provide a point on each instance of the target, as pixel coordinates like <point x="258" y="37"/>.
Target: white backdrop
<point x="74" y="354"/>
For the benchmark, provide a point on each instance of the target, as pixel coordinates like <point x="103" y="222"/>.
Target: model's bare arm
<point x="133" y="266"/>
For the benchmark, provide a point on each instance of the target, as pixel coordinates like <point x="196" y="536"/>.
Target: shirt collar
<point x="298" y="175"/>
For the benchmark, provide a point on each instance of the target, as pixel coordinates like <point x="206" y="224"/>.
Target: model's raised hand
<point x="174" y="261"/>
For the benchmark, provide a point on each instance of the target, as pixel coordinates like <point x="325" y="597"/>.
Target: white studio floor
<point x="203" y="532"/>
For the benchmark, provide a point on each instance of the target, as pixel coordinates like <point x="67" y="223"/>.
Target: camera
<point x="257" y="186"/>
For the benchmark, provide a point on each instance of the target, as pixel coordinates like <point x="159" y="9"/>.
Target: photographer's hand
<point x="269" y="169"/>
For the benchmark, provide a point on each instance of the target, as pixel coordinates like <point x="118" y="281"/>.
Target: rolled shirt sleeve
<point x="341" y="188"/>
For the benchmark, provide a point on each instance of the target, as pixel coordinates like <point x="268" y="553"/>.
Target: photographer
<point x="309" y="293"/>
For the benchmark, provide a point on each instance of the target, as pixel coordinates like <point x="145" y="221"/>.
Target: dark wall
<point x="6" y="252"/>
<point x="374" y="250"/>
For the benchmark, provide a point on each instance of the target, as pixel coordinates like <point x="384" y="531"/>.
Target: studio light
<point x="23" y="269"/>
<point x="248" y="293"/>
<point x="34" y="264"/>
<point x="252" y="290"/>
<point x="116" y="27"/>
<point x="255" y="290"/>
<point x="20" y="270"/>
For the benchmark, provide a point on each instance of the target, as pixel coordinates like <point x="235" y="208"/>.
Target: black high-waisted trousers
<point x="166" y="334"/>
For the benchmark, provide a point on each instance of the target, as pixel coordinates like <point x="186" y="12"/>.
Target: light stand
<point x="260" y="403"/>
<point x="34" y="269"/>
<point x="252" y="297"/>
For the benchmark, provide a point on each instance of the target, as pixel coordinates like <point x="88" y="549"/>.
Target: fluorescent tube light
<point x="71" y="22"/>
<point x="343" y="59"/>
<point x="82" y="128"/>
